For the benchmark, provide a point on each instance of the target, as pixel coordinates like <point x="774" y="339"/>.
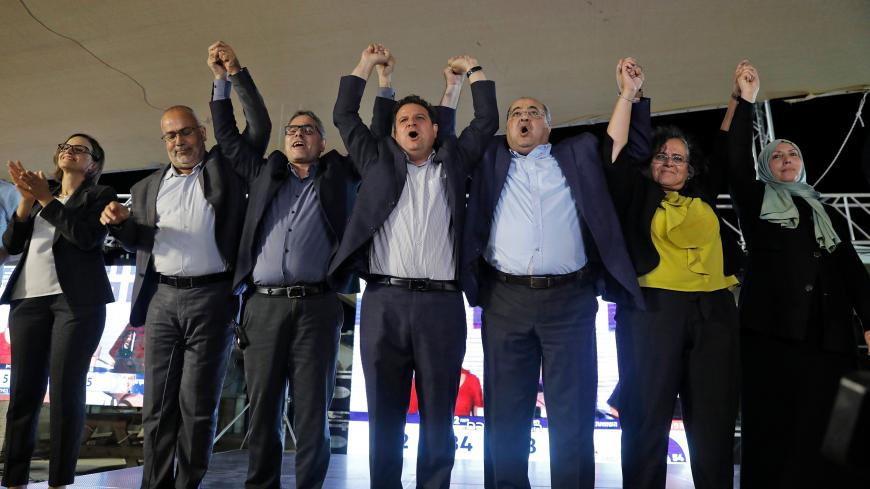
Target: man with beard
<point x="184" y="225"/>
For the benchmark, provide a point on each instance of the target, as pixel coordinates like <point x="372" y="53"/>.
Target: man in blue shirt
<point x="291" y="319"/>
<point x="542" y="241"/>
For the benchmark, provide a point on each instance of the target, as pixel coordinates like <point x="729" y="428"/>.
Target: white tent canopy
<point x="120" y="61"/>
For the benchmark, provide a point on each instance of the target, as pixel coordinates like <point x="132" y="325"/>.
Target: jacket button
<point x="808" y="287"/>
<point x="817" y="254"/>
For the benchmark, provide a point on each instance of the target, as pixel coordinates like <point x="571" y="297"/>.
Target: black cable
<point x="107" y="65"/>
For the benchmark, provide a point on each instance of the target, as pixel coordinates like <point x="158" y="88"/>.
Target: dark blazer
<point x="223" y="189"/>
<point x="787" y="274"/>
<point x="578" y="157"/>
<point x="77" y="248"/>
<point x="335" y="183"/>
<point x="382" y="164"/>
<point x="637" y="197"/>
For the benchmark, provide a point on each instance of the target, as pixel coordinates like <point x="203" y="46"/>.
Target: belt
<point x="180" y="282"/>
<point x="546" y="281"/>
<point x="417" y="284"/>
<point x="292" y="291"/>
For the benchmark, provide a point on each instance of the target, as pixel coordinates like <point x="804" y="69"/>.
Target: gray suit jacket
<point x="223" y="189"/>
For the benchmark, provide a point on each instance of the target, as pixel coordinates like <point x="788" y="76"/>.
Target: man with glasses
<point x="542" y="241"/>
<point x="184" y="225"/>
<point x="291" y="321"/>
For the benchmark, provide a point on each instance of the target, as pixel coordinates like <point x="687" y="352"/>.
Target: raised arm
<point x="382" y="113"/>
<point x="361" y="144"/>
<point x="745" y="190"/>
<point x="224" y="63"/>
<point x="244" y="155"/>
<point x="629" y="80"/>
<point x="475" y="138"/>
<point x="449" y="101"/>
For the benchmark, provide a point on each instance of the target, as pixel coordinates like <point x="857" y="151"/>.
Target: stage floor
<point x="227" y="471"/>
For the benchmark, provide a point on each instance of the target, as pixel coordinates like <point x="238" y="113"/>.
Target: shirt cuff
<point x="221" y="89"/>
<point x="387" y="92"/>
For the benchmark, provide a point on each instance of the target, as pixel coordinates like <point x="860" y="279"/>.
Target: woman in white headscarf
<point x="803" y="282"/>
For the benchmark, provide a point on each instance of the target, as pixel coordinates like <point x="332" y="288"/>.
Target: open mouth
<point x="298" y="144"/>
<point x="524" y="130"/>
<point x="413" y="134"/>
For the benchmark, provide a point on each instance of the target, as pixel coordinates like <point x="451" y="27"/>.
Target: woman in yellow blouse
<point x="685" y="342"/>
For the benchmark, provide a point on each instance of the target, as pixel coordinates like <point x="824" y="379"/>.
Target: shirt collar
<point x="173" y="172"/>
<point x="312" y="170"/>
<point x="428" y="160"/>
<point x="542" y="151"/>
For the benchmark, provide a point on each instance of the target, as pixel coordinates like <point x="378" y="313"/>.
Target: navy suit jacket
<point x="223" y="189"/>
<point x="383" y="167"/>
<point x="335" y="183"/>
<point x="579" y="159"/>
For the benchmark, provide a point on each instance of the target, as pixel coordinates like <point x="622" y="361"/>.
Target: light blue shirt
<point x="536" y="223"/>
<point x="184" y="243"/>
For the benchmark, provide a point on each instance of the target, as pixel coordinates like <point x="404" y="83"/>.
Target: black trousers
<point x="685" y="343"/>
<point x="788" y="392"/>
<point x="188" y="334"/>
<point x="527" y="332"/>
<point x="405" y="332"/>
<point x="50" y="338"/>
<point x="293" y="340"/>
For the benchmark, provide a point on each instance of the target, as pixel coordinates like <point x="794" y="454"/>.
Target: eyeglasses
<point x="305" y="129"/>
<point x="676" y="159"/>
<point x="183" y="132"/>
<point x="530" y="113"/>
<point x="74" y="149"/>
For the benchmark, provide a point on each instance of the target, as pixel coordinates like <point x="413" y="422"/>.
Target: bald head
<point x="528" y="125"/>
<point x="184" y="137"/>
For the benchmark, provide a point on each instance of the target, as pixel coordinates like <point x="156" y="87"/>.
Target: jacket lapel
<point x="565" y="158"/>
<point x="502" y="165"/>
<point x="151" y="189"/>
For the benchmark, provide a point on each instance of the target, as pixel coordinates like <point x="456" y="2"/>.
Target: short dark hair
<point x="415" y="99"/>
<point x="662" y="134"/>
<point x="97" y="154"/>
<point x="317" y="122"/>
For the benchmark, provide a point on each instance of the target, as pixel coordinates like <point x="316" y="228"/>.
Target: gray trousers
<point x="527" y="332"/>
<point x="188" y="334"/>
<point x="293" y="340"/>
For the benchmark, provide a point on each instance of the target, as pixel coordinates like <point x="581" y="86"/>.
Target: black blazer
<point x="579" y="160"/>
<point x="223" y="189"/>
<point x="637" y="197"/>
<point x="381" y="162"/>
<point x="77" y="248"/>
<point x="787" y="274"/>
<point x="335" y="183"/>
